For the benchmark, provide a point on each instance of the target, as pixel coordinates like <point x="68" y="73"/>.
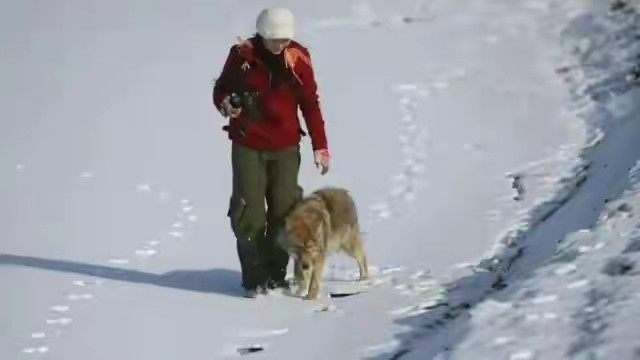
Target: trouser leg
<point x="247" y="212"/>
<point x="283" y="192"/>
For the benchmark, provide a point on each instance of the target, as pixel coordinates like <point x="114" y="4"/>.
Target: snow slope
<point x="115" y="174"/>
<point x="563" y="283"/>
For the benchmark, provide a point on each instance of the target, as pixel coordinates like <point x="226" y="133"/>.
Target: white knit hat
<point x="276" y="23"/>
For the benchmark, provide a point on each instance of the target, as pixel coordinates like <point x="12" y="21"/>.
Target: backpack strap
<point x="291" y="57"/>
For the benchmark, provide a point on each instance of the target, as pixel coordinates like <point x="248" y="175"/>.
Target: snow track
<point x="60" y="315"/>
<point x="608" y="165"/>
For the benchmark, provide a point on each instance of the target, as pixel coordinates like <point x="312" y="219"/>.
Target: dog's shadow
<point x="219" y="281"/>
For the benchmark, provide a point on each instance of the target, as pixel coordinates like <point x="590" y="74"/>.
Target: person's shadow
<point x="218" y="281"/>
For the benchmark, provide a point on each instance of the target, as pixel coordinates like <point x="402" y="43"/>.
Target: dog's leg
<point x="297" y="272"/>
<point x="357" y="252"/>
<point x="316" y="278"/>
<point x="303" y="286"/>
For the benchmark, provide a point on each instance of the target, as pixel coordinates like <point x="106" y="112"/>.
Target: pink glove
<point x="321" y="158"/>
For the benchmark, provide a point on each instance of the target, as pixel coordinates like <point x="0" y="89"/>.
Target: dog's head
<point x="298" y="240"/>
<point x="290" y="235"/>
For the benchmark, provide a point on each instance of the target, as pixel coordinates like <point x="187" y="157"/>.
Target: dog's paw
<point x="312" y="295"/>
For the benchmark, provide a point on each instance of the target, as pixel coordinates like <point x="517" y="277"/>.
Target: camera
<point x="248" y="102"/>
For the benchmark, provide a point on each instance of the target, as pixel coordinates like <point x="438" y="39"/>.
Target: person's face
<point x="276" y="45"/>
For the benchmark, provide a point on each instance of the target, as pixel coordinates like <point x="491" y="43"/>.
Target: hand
<point x="321" y="158"/>
<point x="226" y="109"/>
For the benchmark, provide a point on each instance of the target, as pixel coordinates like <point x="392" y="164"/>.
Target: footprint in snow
<point x="533" y="317"/>
<point x="41" y="350"/>
<point x="406" y="87"/>
<point x="38" y="335"/>
<point x="145" y="252"/>
<point x="118" y="261"/>
<point x="405" y="183"/>
<point x="85" y="282"/>
<point x="502" y="340"/>
<point x="380" y="211"/>
<point x="578" y="284"/>
<point x="545" y="299"/>
<point x="76" y="297"/>
<point x="86" y="175"/>
<point x="60" y="308"/>
<point x="329" y="308"/>
<point x="144" y="188"/>
<point x="586" y="248"/>
<point x="565" y="269"/>
<point x="550" y="316"/>
<point x="521" y="355"/>
<point x="59" y="321"/>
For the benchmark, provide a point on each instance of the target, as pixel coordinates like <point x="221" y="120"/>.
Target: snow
<point x="491" y="148"/>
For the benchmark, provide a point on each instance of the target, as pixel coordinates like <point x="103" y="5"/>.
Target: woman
<point x="264" y="81"/>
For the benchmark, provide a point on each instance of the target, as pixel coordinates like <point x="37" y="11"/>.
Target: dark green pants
<point x="262" y="177"/>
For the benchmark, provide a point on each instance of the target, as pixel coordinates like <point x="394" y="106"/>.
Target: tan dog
<point x="321" y="224"/>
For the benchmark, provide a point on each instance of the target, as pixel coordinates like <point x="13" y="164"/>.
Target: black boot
<point x="279" y="284"/>
<point x="278" y="272"/>
<point x="253" y="293"/>
<point x="254" y="274"/>
<point x="276" y="261"/>
<point x="278" y="267"/>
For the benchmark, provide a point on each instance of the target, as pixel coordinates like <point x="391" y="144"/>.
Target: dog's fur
<point x="321" y="224"/>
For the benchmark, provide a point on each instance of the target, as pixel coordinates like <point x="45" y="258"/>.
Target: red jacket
<point x="279" y="126"/>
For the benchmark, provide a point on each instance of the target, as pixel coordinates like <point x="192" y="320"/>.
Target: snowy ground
<point x="512" y="124"/>
<point x="562" y="284"/>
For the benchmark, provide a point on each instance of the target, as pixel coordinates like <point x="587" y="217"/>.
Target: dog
<point x="321" y="224"/>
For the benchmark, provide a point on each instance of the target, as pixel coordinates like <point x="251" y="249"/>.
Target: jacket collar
<point x="292" y="54"/>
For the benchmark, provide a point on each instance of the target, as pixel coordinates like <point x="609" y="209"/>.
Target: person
<point x="264" y="81"/>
